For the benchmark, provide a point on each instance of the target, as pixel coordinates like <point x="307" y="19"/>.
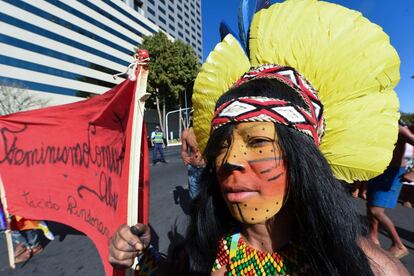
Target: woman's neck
<point x="271" y="235"/>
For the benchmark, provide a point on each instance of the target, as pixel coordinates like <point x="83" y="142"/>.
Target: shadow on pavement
<point x="182" y="197"/>
<point x="155" y="239"/>
<point x="404" y="235"/>
<point x="62" y="230"/>
<point x="176" y="246"/>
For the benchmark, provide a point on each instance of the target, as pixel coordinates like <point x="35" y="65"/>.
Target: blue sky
<point x="395" y="17"/>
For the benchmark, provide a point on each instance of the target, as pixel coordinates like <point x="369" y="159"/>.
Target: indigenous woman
<point x="275" y="144"/>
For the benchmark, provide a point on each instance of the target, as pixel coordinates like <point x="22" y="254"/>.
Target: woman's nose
<point x="234" y="160"/>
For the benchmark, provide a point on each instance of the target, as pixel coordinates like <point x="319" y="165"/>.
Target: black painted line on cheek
<point x="267" y="170"/>
<point x="240" y="212"/>
<point x="275" y="177"/>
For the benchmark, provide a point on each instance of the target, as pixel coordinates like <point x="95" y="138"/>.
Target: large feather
<point x="351" y="63"/>
<point x="225" y="30"/>
<point x="223" y="66"/>
<point x="261" y="4"/>
<point x="244" y="22"/>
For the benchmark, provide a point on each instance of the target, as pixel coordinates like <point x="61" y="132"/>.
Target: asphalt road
<point x="72" y="253"/>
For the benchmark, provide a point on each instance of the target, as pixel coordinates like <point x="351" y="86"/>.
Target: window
<point x="151" y="11"/>
<point x="179" y="16"/>
<point x="151" y="1"/>
<point x="180" y="34"/>
<point x="171" y="27"/>
<point x="138" y="4"/>
<point x="180" y="25"/>
<point x="171" y="9"/>
<point x="171" y="18"/>
<point x="161" y="9"/>
<point x="162" y="19"/>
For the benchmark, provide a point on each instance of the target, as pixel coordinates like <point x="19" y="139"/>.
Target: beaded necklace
<point x="241" y="259"/>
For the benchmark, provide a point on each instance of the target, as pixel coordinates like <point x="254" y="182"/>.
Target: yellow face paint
<point x="252" y="173"/>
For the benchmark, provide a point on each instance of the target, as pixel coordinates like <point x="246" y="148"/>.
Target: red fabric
<point x="70" y="164"/>
<point x="144" y="180"/>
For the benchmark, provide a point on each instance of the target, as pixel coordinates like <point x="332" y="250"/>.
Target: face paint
<point x="251" y="173"/>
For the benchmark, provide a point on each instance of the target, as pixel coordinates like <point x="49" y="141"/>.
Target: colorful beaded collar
<point x="241" y="259"/>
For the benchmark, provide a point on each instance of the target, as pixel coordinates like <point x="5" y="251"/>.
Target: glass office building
<point x="64" y="48"/>
<point x="180" y="18"/>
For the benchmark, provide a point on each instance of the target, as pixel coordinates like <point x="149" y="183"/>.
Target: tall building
<point x="62" y="48"/>
<point x="179" y="18"/>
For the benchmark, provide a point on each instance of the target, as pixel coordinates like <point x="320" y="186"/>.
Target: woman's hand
<point x="125" y="246"/>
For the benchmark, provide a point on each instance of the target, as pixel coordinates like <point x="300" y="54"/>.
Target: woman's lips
<point x="239" y="196"/>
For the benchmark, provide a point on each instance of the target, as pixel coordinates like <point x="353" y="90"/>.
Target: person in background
<point x="360" y="189"/>
<point x="157" y="143"/>
<point x="407" y="191"/>
<point x="27" y="237"/>
<point x="27" y="244"/>
<point x="192" y="158"/>
<point x="383" y="192"/>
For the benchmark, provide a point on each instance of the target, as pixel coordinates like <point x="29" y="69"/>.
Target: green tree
<point x="173" y="65"/>
<point x="408" y="118"/>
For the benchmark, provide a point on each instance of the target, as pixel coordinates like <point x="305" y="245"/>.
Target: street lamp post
<point x="167" y="134"/>
<point x="187" y="120"/>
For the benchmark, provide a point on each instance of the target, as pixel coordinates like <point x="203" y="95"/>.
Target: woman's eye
<point x="259" y="142"/>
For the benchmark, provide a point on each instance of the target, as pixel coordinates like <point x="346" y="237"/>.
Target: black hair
<point x="324" y="216"/>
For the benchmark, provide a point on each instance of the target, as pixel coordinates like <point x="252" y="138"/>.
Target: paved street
<point x="72" y="253"/>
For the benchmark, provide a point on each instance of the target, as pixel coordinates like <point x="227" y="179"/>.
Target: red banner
<point x="70" y="163"/>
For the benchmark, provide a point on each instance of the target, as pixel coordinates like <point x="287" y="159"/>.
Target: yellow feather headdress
<point x="348" y="59"/>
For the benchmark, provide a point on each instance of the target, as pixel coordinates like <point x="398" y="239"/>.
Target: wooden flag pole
<point x="141" y="64"/>
<point x="9" y="241"/>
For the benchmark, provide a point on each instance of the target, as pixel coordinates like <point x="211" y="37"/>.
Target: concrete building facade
<point x="179" y="18"/>
<point x="60" y="48"/>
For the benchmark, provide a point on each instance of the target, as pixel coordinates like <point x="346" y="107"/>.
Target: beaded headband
<point x="308" y="120"/>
